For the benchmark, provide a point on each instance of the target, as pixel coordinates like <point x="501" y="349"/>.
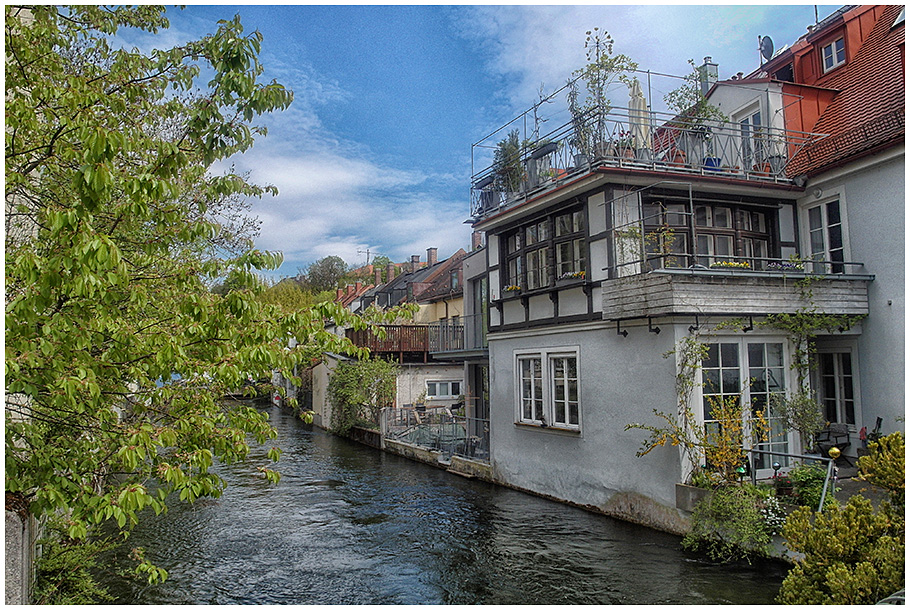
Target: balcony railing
<point x="469" y="335"/>
<point x="439" y="430"/>
<point x="423" y="338"/>
<point x="633" y="139"/>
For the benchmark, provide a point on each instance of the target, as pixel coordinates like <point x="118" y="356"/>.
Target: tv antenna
<point x="765" y="47"/>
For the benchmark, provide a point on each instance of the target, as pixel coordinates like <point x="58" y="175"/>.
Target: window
<point x="570" y="245"/>
<point x="443" y="389"/>
<point x="545" y="250"/>
<point x="835" y="387"/>
<point x="752" y="141"/>
<point x="666" y="234"/>
<point x="722" y="234"/>
<point x="833" y="55"/>
<point x="454" y="283"/>
<point x="826" y="243"/>
<point x="754" y="371"/>
<point x="548" y="389"/>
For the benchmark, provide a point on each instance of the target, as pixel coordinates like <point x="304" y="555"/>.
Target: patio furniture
<point x="834" y="435"/>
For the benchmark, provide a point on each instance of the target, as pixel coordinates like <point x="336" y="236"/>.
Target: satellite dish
<point x="766" y="47"/>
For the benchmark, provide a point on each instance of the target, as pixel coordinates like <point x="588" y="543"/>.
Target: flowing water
<point x="352" y="525"/>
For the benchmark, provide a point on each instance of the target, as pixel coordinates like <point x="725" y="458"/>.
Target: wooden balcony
<point x="728" y="292"/>
<point x="411" y="342"/>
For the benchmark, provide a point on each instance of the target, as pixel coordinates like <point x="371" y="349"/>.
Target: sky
<point x="374" y="156"/>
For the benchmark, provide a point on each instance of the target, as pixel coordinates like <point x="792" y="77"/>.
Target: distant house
<point x="602" y="257"/>
<point x="425" y="380"/>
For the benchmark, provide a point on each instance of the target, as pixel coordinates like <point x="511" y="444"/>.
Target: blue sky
<point x="375" y="151"/>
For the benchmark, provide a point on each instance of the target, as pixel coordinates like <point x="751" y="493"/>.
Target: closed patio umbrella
<point x="639" y="120"/>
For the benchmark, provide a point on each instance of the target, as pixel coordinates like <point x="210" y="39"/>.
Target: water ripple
<point x="351" y="525"/>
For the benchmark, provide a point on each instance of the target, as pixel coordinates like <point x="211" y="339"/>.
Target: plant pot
<point x="569" y="281"/>
<point x="581" y="160"/>
<point x="712" y="164"/>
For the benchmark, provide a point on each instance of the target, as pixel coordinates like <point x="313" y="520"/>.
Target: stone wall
<point x="20" y="557"/>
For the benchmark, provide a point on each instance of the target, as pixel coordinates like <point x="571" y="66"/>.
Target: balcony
<point x="627" y="140"/>
<point x="421" y="342"/>
<point x="465" y="341"/>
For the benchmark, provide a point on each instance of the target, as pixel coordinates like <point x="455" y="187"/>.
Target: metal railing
<point x="643" y="245"/>
<point x="626" y="138"/>
<point x="438" y="429"/>
<point x="469" y="334"/>
<point x="830" y="475"/>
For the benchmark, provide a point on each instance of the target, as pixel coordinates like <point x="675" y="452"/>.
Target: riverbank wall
<point x="631" y="507"/>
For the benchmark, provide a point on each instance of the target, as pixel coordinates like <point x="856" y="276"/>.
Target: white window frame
<point x="792" y="439"/>
<point x="841" y="347"/>
<point x="448" y="383"/>
<point x="548" y="387"/>
<point x="821" y="201"/>
<point x="834" y="61"/>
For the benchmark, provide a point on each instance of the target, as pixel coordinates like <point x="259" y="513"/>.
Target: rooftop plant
<point x="602" y="70"/>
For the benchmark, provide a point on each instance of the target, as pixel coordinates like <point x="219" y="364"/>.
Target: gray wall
<point x="873" y="196"/>
<point x="620" y="381"/>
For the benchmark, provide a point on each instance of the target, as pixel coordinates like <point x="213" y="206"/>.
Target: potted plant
<point x="570" y="277"/>
<point x="589" y="115"/>
<point x="694" y="115"/>
<point x="801" y="412"/>
<point x="509" y="175"/>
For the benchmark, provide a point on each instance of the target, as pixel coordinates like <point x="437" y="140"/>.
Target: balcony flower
<point x="730" y="265"/>
<point x="571" y="275"/>
<point x="512" y="288"/>
<point x="786" y="266"/>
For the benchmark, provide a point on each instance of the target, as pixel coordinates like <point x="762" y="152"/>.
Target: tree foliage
<point x="117" y="355"/>
<point x="325" y="273"/>
<point x="852" y="554"/>
<point x="359" y="389"/>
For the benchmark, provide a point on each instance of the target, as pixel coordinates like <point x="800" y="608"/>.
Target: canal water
<point x="352" y="525"/>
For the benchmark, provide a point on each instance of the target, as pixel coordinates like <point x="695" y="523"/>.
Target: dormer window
<point x="833" y="55"/>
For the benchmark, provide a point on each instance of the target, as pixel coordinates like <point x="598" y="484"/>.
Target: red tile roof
<point x="867" y="113"/>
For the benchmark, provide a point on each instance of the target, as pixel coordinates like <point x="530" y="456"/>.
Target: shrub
<point x="735" y="522"/>
<point x="358" y="390"/>
<point x="64" y="571"/>
<point x="808" y="483"/>
<point x="854" y="554"/>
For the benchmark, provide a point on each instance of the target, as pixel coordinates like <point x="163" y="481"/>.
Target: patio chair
<point x="834" y="435"/>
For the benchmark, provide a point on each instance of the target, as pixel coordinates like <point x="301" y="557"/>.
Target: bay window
<point x="722" y="234"/>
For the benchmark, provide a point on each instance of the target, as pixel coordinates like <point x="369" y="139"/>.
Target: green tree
<point x="325" y="273"/>
<point x="852" y="554"/>
<point x="359" y="389"/>
<point x="117" y="354"/>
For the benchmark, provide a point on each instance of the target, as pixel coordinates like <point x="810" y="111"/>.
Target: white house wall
<point x="620" y="381"/>
<point x="412" y="382"/>
<point x="872" y="196"/>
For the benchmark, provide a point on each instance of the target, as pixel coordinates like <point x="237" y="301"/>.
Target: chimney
<point x="415" y="262"/>
<point x="707" y="75"/>
<point x="431" y="257"/>
<point x="390" y="272"/>
<point x="338" y="293"/>
<point x="358" y="286"/>
<point x="377" y="275"/>
<point x="476" y="240"/>
<point x="349" y="290"/>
